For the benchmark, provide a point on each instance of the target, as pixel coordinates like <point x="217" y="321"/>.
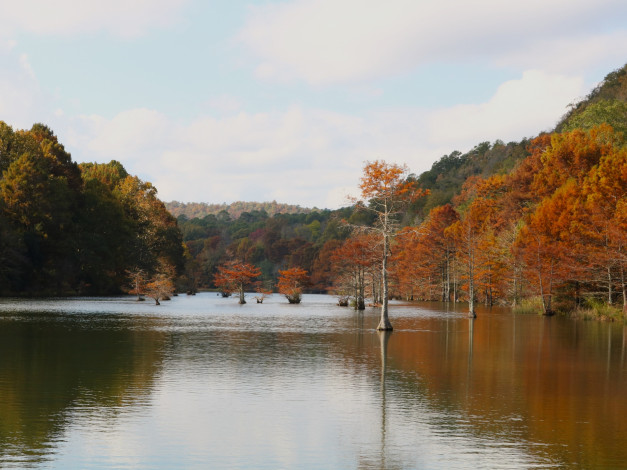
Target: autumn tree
<point x="412" y="266"/>
<point x="546" y="246"/>
<point x="160" y="287"/>
<point x="137" y="282"/>
<point x="437" y="248"/>
<point x="599" y="219"/>
<point x="474" y="233"/>
<point x="236" y="276"/>
<point x="291" y="284"/>
<point x="385" y="190"/>
<point x="322" y="271"/>
<point x="352" y="262"/>
<point x="571" y="237"/>
<point x="156" y="235"/>
<point x="70" y="229"/>
<point x="39" y="196"/>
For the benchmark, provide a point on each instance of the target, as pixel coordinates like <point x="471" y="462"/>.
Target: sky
<point x="219" y="101"/>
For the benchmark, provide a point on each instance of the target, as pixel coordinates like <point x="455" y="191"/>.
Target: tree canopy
<point x="75" y="229"/>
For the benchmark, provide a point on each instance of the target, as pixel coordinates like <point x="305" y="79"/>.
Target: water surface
<point x="202" y="382"/>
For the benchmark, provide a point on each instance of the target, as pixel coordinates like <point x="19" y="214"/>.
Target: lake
<point x="202" y="382"/>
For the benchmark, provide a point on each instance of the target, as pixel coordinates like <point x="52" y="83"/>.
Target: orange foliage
<point x="357" y="258"/>
<point x="574" y="234"/>
<point x="291" y="283"/>
<point x="557" y="224"/>
<point x="422" y="264"/>
<point x="387" y="190"/>
<point x="322" y="272"/>
<point x="571" y="155"/>
<point x="235" y="276"/>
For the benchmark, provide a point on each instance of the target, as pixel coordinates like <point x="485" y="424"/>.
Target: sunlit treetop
<point x="382" y="180"/>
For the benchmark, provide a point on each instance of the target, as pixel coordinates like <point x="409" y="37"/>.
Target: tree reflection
<point x="55" y="367"/>
<point x="384" y="337"/>
<point x="471" y="335"/>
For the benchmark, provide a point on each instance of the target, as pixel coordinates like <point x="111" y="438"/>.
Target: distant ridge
<point x="235" y="209"/>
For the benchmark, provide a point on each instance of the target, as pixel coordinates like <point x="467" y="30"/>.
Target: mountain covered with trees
<point x="235" y="209"/>
<point x="540" y="224"/>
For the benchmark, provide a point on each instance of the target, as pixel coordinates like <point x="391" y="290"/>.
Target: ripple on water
<point x="204" y="382"/>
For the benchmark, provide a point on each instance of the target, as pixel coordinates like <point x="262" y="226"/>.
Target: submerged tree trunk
<point x="515" y="299"/>
<point x="360" y="303"/>
<point x="384" y="323"/>
<point x="375" y="294"/>
<point x="549" y="308"/>
<point x="447" y="288"/>
<point x="471" y="276"/>
<point x="609" y="285"/>
<point x="242" y="299"/>
<point x="455" y="281"/>
<point x="622" y="281"/>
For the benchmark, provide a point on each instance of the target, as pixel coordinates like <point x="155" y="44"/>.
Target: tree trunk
<point x="430" y="286"/>
<point x="455" y="282"/>
<point x="545" y="308"/>
<point x="242" y="299"/>
<point x="549" y="307"/>
<point x="471" y="280"/>
<point x="447" y="288"/>
<point x="609" y="285"/>
<point x="375" y="296"/>
<point x="384" y="323"/>
<point x="622" y="281"/>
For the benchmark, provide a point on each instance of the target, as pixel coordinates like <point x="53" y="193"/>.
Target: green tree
<point x="612" y="112"/>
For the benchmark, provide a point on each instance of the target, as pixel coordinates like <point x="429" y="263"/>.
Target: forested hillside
<point x="271" y="243"/>
<point x="607" y="103"/>
<point x="235" y="209"/>
<point x="70" y="229"/>
<point x="446" y="177"/>
<point x="540" y="223"/>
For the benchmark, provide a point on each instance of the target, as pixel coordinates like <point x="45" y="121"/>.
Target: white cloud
<point x="309" y="156"/>
<point x="130" y="132"/>
<point x="67" y="17"/>
<point x="327" y="41"/>
<point x="297" y="155"/>
<point x="571" y="54"/>
<point x="20" y="95"/>
<point x="7" y="45"/>
<point x="519" y="108"/>
<point x="225" y="103"/>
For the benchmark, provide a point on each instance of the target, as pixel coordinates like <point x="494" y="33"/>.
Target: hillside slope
<point x="201" y="209"/>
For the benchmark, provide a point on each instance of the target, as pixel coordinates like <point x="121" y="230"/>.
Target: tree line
<point x="551" y="235"/>
<point x="539" y="224"/>
<point x="76" y="229"/>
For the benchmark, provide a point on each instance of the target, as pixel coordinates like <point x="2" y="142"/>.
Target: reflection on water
<point x="202" y="382"/>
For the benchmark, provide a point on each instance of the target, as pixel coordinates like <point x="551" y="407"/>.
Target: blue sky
<point x="261" y="100"/>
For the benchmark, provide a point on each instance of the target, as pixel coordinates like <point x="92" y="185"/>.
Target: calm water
<point x="202" y="382"/>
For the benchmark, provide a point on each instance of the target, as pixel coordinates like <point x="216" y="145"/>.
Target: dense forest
<point x="70" y="229"/>
<point x="539" y="224"/>
<point x="235" y="209"/>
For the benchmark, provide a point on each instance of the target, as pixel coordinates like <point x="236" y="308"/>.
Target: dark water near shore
<point x="202" y="382"/>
